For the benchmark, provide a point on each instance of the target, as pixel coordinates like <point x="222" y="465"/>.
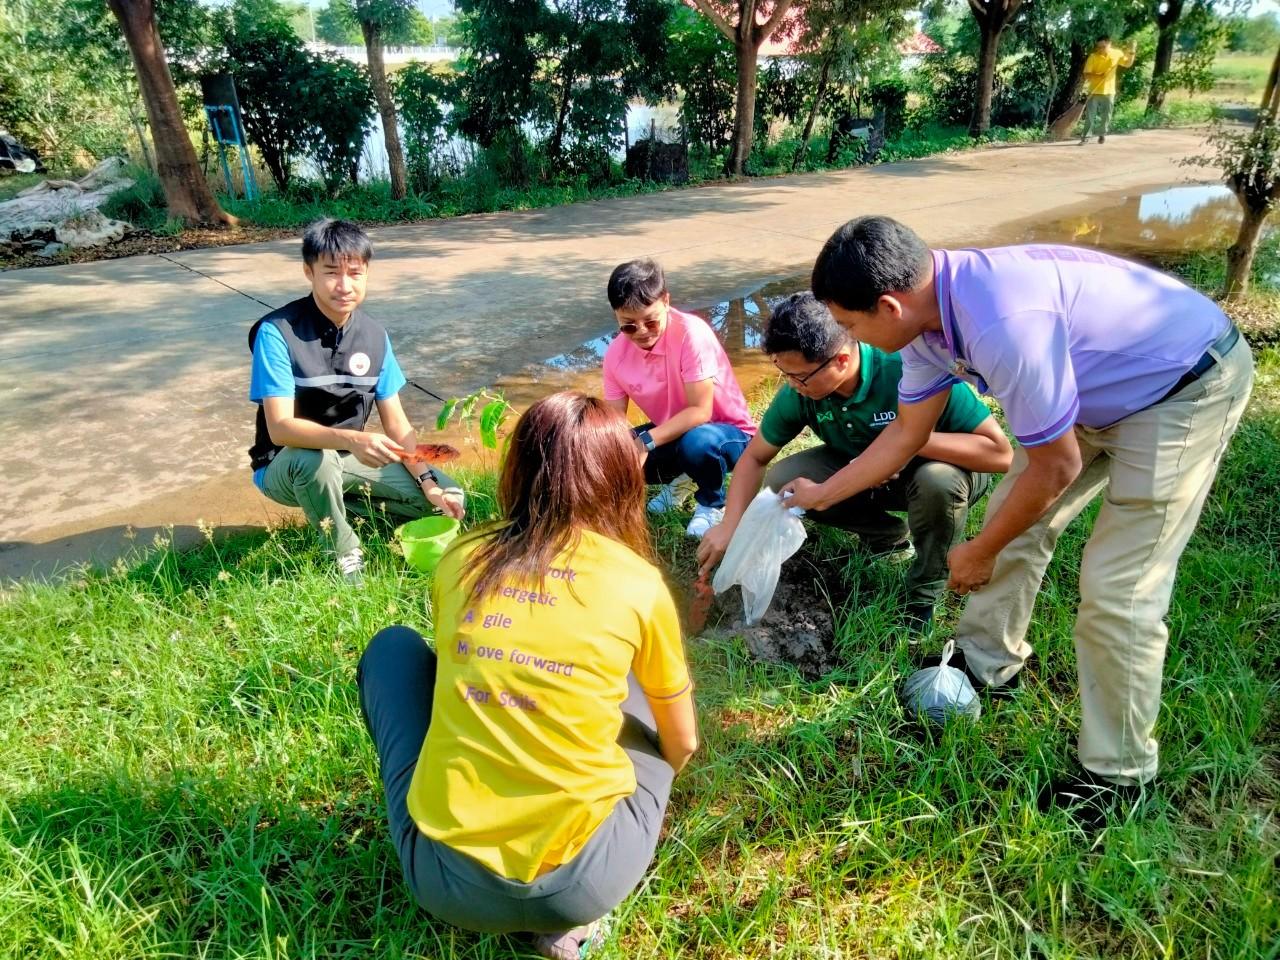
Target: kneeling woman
<point x="527" y="762"/>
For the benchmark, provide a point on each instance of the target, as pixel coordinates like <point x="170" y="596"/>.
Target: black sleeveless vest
<point x="335" y="371"/>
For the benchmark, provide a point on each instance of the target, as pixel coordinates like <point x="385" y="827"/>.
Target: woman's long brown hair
<point x="573" y="465"/>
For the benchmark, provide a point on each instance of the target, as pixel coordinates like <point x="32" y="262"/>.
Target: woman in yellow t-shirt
<point x="527" y="760"/>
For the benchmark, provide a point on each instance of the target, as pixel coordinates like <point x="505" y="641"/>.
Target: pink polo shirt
<point x="687" y="352"/>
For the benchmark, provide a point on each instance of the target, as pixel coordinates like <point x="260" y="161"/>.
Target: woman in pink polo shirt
<point x="672" y="366"/>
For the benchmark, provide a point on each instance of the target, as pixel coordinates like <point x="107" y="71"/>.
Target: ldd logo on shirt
<point x="359" y="364"/>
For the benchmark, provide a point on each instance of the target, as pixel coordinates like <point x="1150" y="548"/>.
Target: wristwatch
<point x="646" y="438"/>
<point x="429" y="474"/>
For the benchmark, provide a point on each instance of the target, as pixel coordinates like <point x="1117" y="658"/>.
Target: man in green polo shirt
<point x="846" y="393"/>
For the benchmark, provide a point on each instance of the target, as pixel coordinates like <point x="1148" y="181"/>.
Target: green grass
<point x="11" y="184"/>
<point x="183" y="770"/>
<point x="1241" y="75"/>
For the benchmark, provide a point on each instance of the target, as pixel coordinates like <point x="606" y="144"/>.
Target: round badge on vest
<point x="359" y="364"/>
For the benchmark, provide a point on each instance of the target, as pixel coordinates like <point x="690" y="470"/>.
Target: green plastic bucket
<point x="425" y="540"/>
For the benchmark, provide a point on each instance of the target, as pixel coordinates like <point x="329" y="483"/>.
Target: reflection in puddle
<point x="1171" y="220"/>
<point x="1176" y="219"/>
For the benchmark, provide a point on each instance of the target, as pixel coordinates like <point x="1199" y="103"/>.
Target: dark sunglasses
<point x="808" y="376"/>
<point x="631" y="329"/>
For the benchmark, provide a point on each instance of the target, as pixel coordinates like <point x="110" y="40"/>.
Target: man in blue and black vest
<point x="320" y="365"/>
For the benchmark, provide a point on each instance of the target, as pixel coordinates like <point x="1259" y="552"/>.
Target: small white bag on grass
<point x="938" y="692"/>
<point x="768" y="533"/>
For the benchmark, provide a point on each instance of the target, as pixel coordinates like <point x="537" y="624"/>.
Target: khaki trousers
<point x="327" y="484"/>
<point x="1155" y="467"/>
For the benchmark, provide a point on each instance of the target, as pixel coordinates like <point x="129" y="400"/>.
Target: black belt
<point x="1202" y="366"/>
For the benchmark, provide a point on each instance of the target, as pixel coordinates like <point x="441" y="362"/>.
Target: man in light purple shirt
<point x="1115" y="379"/>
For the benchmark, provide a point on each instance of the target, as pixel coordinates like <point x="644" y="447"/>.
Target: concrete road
<point x="126" y="379"/>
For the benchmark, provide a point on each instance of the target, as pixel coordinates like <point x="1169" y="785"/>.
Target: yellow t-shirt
<point x="1100" y="71"/>
<point x="521" y="763"/>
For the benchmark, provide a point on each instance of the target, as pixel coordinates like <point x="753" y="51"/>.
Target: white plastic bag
<point x="938" y="692"/>
<point x="768" y="533"/>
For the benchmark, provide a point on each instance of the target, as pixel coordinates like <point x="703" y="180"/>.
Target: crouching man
<point x="672" y="366"/>
<point x="320" y="366"/>
<point x="846" y="393"/>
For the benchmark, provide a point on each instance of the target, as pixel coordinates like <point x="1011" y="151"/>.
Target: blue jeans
<point x="706" y="453"/>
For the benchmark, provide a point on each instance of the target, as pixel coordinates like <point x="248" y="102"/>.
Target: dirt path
<point x="127" y="378"/>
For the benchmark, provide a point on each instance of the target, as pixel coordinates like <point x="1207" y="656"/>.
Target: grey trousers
<point x="396" y="679"/>
<point x="1097" y="108"/>
<point x="935" y="496"/>
<point x="328" y="483"/>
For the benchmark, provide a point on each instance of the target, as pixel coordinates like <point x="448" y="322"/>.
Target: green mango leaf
<point x="468" y="407"/>
<point x="445" y="413"/>
<point x="491" y="417"/>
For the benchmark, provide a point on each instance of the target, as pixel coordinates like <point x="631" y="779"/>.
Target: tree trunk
<point x="1167" y="21"/>
<point x="555" y="145"/>
<point x="1240" y="254"/>
<point x="744" y="113"/>
<point x="818" y="93"/>
<point x="141" y="134"/>
<point x="1066" y="94"/>
<point x="981" y="122"/>
<point x="186" y="192"/>
<point x="386" y="107"/>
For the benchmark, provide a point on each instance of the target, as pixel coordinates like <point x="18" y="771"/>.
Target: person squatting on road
<point x="846" y="393"/>
<point x="320" y="366"/>
<point x="1116" y="380"/>
<point x="674" y="368"/>
<point x="528" y="760"/>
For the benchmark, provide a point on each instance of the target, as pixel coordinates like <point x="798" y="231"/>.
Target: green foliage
<point x="565" y="66"/>
<point x="702" y="61"/>
<point x="142" y="204"/>
<point x="422" y="96"/>
<point x="493" y="413"/>
<point x="399" y="23"/>
<point x="1258" y="34"/>
<point x="73" y="109"/>
<point x="1202" y="33"/>
<point x="295" y="102"/>
<point x="335" y="25"/>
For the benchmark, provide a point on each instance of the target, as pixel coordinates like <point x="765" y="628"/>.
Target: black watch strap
<point x="428" y="474"/>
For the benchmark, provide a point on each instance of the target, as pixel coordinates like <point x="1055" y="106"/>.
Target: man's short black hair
<point x="341" y="239"/>
<point x="1105" y="38"/>
<point x="636" y="284"/>
<point x="802" y="324"/>
<point x="867" y="258"/>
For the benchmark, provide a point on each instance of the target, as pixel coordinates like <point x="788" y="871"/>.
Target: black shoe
<point x="917" y="618"/>
<point x="1088" y="797"/>
<point x="1102" y="139"/>
<point x="997" y="691"/>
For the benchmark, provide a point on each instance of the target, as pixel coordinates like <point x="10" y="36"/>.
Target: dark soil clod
<point x="799" y="627"/>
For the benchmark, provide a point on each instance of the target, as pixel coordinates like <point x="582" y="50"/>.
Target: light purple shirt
<point x="1058" y="335"/>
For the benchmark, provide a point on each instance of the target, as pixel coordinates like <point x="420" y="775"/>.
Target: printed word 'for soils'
<point x="504" y="698"/>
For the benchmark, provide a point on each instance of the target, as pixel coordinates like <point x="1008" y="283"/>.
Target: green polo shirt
<point x="849" y="424"/>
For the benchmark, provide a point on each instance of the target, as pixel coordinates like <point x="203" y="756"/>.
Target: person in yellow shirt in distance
<point x="1100" y="85"/>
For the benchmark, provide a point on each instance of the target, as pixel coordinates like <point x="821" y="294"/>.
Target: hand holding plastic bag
<point x="768" y="533"/>
<point x="940" y="691"/>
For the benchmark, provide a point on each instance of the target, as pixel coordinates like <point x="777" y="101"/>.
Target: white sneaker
<point x="351" y="566"/>
<point x="672" y="496"/>
<point x="704" y="518"/>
